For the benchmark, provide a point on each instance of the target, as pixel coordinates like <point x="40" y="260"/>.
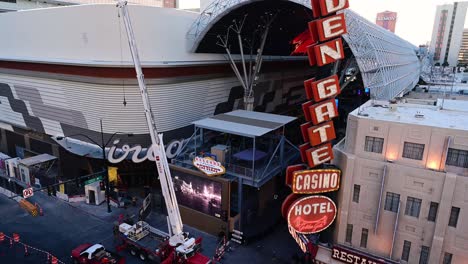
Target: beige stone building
<point x="404" y="192"/>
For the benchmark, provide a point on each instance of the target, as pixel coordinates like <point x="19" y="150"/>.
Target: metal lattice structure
<point x="388" y="64"/>
<point x="214" y="12"/>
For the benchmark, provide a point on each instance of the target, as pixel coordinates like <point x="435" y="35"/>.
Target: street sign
<point x="99" y="178"/>
<point x="28" y="192"/>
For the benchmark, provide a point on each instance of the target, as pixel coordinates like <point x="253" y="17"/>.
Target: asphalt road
<point x="63" y="227"/>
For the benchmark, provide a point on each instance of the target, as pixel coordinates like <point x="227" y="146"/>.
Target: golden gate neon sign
<point x="326" y="32"/>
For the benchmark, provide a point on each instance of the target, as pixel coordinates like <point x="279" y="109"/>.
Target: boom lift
<point x="177" y="238"/>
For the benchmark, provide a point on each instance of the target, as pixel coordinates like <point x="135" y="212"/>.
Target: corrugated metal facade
<point x="175" y="103"/>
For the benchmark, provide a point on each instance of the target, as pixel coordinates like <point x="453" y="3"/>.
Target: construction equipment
<point x="178" y="239"/>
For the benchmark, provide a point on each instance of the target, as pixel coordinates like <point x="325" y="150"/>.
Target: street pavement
<point x="66" y="225"/>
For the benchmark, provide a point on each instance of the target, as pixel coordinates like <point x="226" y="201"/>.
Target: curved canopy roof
<point x="388" y="64"/>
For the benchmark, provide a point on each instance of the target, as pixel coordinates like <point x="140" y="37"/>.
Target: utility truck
<point x="180" y="248"/>
<point x="149" y="243"/>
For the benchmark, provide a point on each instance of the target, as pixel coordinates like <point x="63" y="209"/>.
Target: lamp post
<point x="104" y="160"/>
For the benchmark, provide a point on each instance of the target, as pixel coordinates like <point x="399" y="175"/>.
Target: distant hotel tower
<point x="387" y="20"/>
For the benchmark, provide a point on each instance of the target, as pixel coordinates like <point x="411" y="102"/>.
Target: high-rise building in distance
<point x="387" y="20"/>
<point x="463" y="54"/>
<point x="447" y="32"/>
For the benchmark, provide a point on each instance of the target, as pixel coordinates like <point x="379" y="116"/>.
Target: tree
<point x="249" y="75"/>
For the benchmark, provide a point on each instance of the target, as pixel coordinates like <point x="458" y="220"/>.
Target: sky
<point x="415" y="17"/>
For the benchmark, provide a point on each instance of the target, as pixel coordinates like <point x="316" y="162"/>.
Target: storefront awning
<point x="244" y="123"/>
<point x="85" y="149"/>
<point x="37" y="159"/>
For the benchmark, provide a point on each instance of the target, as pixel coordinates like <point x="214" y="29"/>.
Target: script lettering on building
<point x="316" y="181"/>
<point x="348" y="256"/>
<point x="172" y="150"/>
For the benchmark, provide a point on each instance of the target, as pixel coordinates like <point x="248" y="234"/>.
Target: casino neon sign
<point x="313" y="214"/>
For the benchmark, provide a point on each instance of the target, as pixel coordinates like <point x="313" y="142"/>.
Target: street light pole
<point x="103" y="148"/>
<point x="105" y="169"/>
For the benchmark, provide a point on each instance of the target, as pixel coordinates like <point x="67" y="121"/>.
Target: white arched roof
<point x="388" y="64"/>
<point x="215" y="11"/>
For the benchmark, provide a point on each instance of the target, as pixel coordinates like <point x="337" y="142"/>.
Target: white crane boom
<point x="175" y="221"/>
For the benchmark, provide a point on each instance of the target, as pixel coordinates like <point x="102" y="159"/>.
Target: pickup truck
<point x="95" y="254"/>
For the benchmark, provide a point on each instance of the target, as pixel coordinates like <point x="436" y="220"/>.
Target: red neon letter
<point x="321" y="134"/>
<point x="331" y="27"/>
<point x="328" y="52"/>
<point x="319" y="155"/>
<point x="326" y="88"/>
<point x="323" y="111"/>
<point x="331" y="6"/>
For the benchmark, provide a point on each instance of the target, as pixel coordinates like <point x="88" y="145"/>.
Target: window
<point x="349" y="233"/>
<point x="447" y="258"/>
<point x="357" y="190"/>
<point x="364" y="234"/>
<point x="391" y="202"/>
<point x="433" y="212"/>
<point x="413" y="206"/>
<point x="374" y="144"/>
<point x="424" y="257"/>
<point x="406" y="250"/>
<point x="457" y="157"/>
<point x="413" y="151"/>
<point x="454" y="216"/>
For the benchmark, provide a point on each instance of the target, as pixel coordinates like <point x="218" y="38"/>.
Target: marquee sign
<point x="316" y="181"/>
<point x="209" y="166"/>
<point x="311" y="214"/>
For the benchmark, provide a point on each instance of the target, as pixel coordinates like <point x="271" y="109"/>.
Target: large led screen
<point x="198" y="193"/>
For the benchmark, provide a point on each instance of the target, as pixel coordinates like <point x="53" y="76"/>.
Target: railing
<point x="269" y="167"/>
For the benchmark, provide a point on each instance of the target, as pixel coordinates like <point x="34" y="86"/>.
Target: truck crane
<point x="178" y="239"/>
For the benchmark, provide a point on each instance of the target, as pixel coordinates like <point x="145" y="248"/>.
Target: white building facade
<point x="404" y="193"/>
<point x="447" y="32"/>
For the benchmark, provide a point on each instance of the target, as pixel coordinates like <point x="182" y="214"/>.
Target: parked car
<point x="95" y="254"/>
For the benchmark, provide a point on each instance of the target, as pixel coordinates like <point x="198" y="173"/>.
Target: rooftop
<point x="244" y="123"/>
<point x="453" y="115"/>
<point x="37" y="159"/>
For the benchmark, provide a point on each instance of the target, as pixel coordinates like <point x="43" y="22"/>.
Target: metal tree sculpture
<point x="250" y="74"/>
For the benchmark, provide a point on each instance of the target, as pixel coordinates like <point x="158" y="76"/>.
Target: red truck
<point x="149" y="243"/>
<point x="95" y="254"/>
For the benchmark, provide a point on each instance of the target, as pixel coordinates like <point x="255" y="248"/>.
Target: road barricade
<point x="28" y="207"/>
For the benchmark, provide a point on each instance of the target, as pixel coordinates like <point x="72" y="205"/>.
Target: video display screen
<point x="198" y="193"/>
